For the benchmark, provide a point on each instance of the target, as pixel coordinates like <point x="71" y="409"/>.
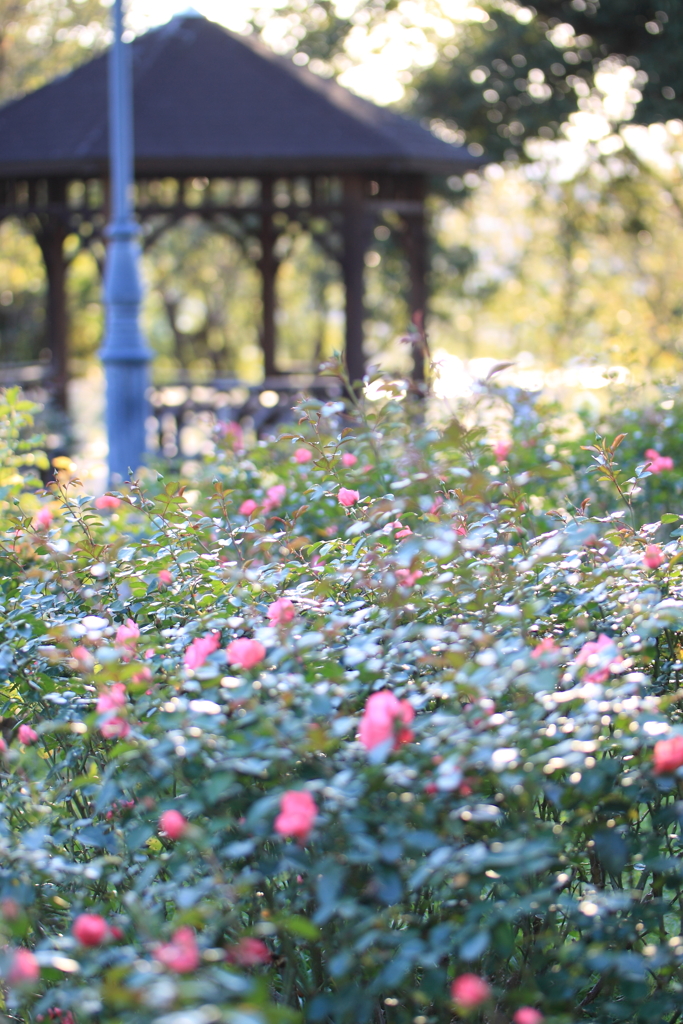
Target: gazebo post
<point x="268" y="267"/>
<point x="415" y="239"/>
<point x="51" y="240"/>
<point x="353" y="266"/>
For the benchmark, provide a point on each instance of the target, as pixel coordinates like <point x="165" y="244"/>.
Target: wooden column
<point x="355" y="244"/>
<point x="51" y="237"/>
<point x="268" y="266"/>
<point x="415" y="239"/>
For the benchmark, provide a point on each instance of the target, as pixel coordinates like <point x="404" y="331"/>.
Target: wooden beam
<point x="51" y="237"/>
<point x="268" y="266"/>
<point x="415" y="243"/>
<point x="356" y="234"/>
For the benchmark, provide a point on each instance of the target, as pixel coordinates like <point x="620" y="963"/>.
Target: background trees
<point x="570" y="244"/>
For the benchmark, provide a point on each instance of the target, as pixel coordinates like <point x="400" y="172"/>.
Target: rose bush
<point x="273" y="753"/>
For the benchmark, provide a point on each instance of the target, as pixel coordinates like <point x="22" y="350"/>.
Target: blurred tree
<point x="40" y="39"/>
<point x="522" y="72"/>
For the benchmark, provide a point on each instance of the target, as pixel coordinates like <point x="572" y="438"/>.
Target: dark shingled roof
<point x="208" y="101"/>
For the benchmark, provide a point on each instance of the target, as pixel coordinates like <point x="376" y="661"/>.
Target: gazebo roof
<point x="209" y="102"/>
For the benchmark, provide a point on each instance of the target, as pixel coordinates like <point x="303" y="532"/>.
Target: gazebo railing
<point x="184" y="418"/>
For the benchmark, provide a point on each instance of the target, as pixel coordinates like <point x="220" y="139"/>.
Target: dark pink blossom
<point x="653" y="556"/>
<point x="112" y="698"/>
<point x="42" y="518"/>
<point x="469" y="991"/>
<point x="181" y="954"/>
<point x="90" y="929"/>
<point x="107" y="501"/>
<point x="173" y="824"/>
<point x="527" y="1015"/>
<point x="245" y="653"/>
<point x="297" y="814"/>
<point x="384" y="717"/>
<point x="668" y="755"/>
<point x="115" y="728"/>
<point x="27" y="735"/>
<point x="347" y="497"/>
<point x="233" y="434"/>
<point x="303" y="455"/>
<point x="657" y="463"/>
<point x="249" y="952"/>
<point x="546" y="646"/>
<point x="281" y="612"/>
<point x="596" y="655"/>
<point x="406" y="578"/>
<point x="200" y="649"/>
<point x="24" y="968"/>
<point x="274" y="497"/>
<point x="248" y="507"/>
<point x="501" y="450"/>
<point x="349" y="459"/>
<point x="128" y="634"/>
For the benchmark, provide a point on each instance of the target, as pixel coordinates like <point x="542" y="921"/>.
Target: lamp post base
<point x="127" y="384"/>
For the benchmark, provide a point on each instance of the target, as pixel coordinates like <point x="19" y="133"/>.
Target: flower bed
<point x="351" y="730"/>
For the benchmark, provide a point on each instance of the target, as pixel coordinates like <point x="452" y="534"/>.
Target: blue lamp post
<point x="124" y="352"/>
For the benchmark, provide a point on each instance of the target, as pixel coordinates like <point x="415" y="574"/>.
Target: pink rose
<point x="42" y="518"/>
<point x="401" y="530"/>
<point x="107" y="501"/>
<point x="165" y="577"/>
<point x="274" y="497"/>
<point x="469" y="991"/>
<point x="653" y="556"/>
<point x="90" y="929"/>
<point x="597" y="654"/>
<point x="248" y="507"/>
<point x="303" y="455"/>
<point x="668" y="755"/>
<point x="83" y="655"/>
<point x="114" y="697"/>
<point x="297" y="814"/>
<point x="27" y="734"/>
<point x="181" y="953"/>
<point x="406" y="578"/>
<point x="547" y="646"/>
<point x="245" y="653"/>
<point x="501" y="450"/>
<point x="657" y="463"/>
<point x="24" y="968"/>
<point x="383" y="718"/>
<point x="347" y="497"/>
<point x="281" y="612"/>
<point x="174" y="824"/>
<point x="249" y="952"/>
<point x="349" y="459"/>
<point x="233" y="433"/>
<point x="527" y="1015"/>
<point x="127" y="634"/>
<point x="115" y="728"/>
<point x="200" y="649"/>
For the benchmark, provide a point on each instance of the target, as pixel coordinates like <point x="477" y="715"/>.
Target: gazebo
<point x="228" y="131"/>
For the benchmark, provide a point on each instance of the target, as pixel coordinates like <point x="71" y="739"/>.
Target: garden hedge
<point x="375" y="723"/>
